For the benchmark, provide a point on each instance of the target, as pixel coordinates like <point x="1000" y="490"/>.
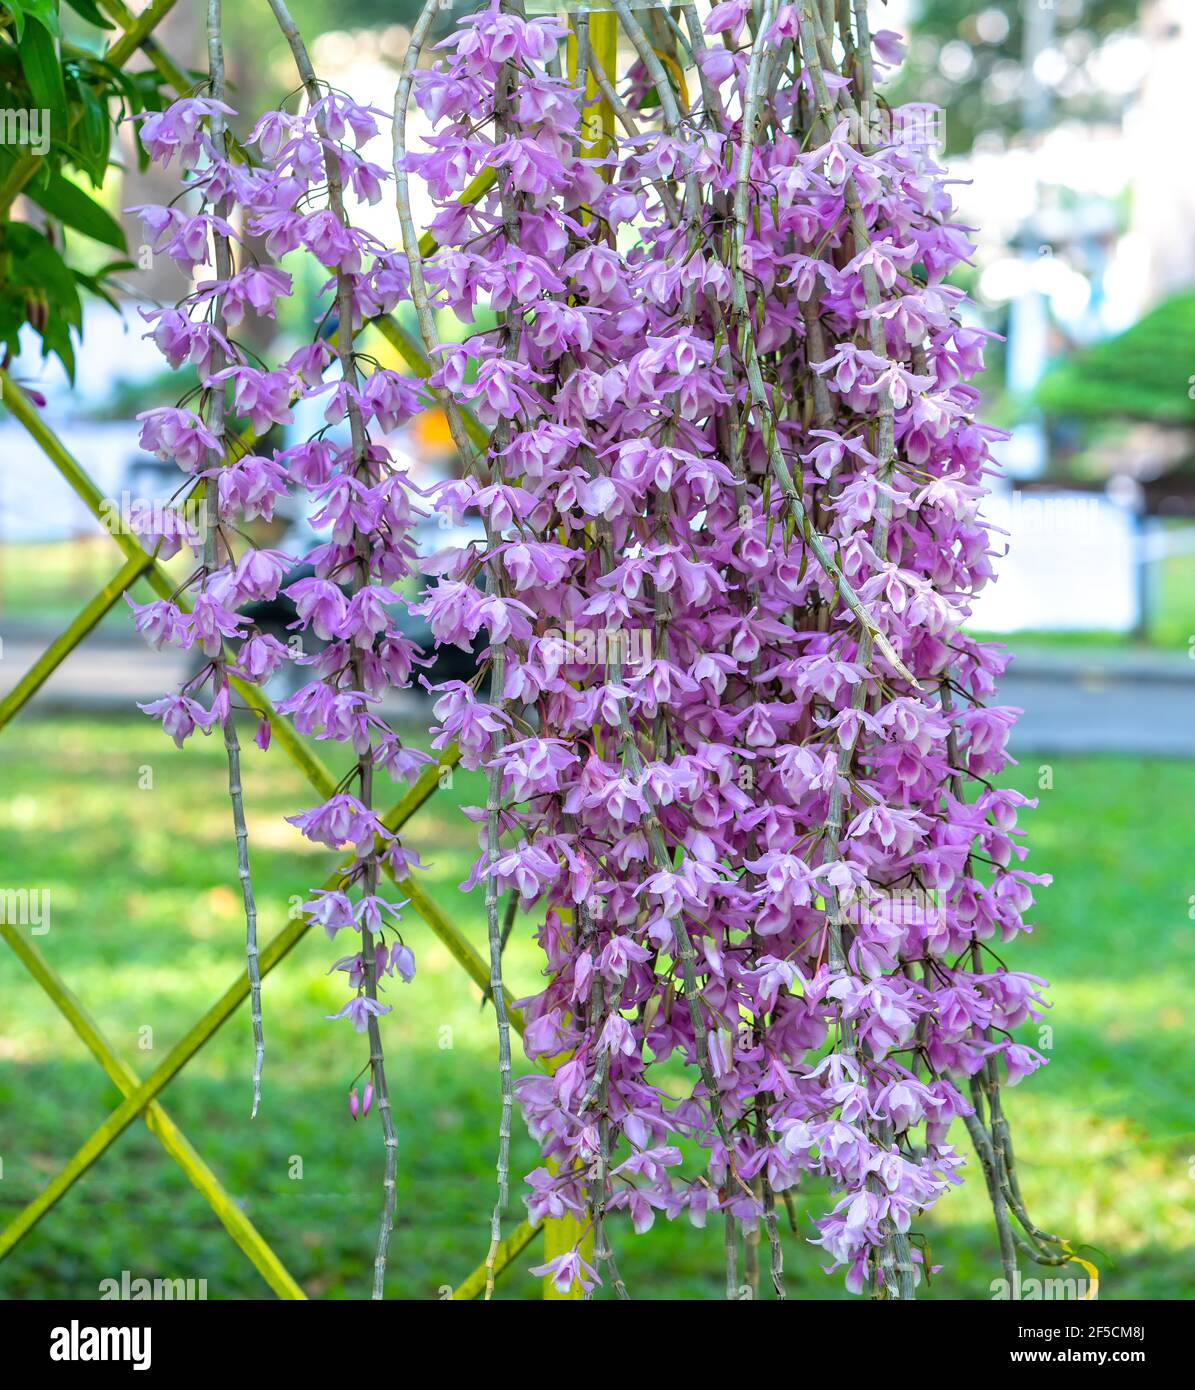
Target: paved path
<point x="98" y="675"/>
<point x="106" y="676"/>
<point x="1121" y="702"/>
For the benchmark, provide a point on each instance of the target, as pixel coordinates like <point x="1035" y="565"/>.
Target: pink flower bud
<point x="353" y="1104"/>
<point x="367" y="1098"/>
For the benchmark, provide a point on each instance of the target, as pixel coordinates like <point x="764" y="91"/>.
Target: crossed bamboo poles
<point x="141" y="1096"/>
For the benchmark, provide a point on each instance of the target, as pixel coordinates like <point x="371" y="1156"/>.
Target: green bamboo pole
<point x="182" y="1052"/>
<point x="138" y="34"/>
<point x="411" y="350"/>
<point x="67" y="640"/>
<point x="157" y="577"/>
<point x="284" y="731"/>
<point x="314" y="770"/>
<point x="168" y="1134"/>
<point x="462" y="952"/>
<point x="142" y="1095"/>
<point x="510" y="1249"/>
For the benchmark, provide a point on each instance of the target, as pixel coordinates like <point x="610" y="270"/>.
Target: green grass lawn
<point x="146" y="928"/>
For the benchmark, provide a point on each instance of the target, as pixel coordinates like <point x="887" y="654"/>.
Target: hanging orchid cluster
<point x="738" y="748"/>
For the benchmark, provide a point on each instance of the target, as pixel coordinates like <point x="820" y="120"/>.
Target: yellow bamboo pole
<point x="181" y="1053"/>
<point x="597" y="118"/>
<point x="70" y="637"/>
<point x="168" y="1134"/>
<point x="562" y="1234"/>
<point x="513" y="1246"/>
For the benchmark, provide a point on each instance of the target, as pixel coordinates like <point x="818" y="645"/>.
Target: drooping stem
<point x="730" y="1248"/>
<point x="427" y="328"/>
<point x="497" y="989"/>
<point x="599" y="1178"/>
<point x="686" y="954"/>
<point x="992" y="1139"/>
<point x="362" y="471"/>
<point x="211" y="496"/>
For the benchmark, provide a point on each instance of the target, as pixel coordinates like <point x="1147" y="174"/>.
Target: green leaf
<point x="94" y="133"/>
<point x="36" y="265"/>
<point x="18" y="17"/>
<point x="89" y="11"/>
<point x="38" y="273"/>
<point x="96" y="283"/>
<point x="57" y="338"/>
<point x="44" y="12"/>
<point x="12" y="316"/>
<point x="43" y="73"/>
<point x="62" y="199"/>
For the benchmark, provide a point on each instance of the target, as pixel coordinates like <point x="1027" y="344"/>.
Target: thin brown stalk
<point x="211" y="508"/>
<point x="361" y="467"/>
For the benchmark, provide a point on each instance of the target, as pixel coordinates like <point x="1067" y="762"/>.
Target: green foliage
<point x="42" y="12"/>
<point x="59" y="102"/>
<point x="44" y="276"/>
<point x="986" y="96"/>
<point x="74" y="208"/>
<point x="314" y="15"/>
<point x="90" y="12"/>
<point x="1144" y="373"/>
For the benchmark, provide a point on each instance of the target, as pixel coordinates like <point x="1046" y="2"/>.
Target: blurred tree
<point x="1004" y="67"/>
<point x="316" y="16"/>
<point x="1141" y="374"/>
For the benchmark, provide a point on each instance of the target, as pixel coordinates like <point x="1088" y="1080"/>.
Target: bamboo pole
<point x="70" y="637"/>
<point x="159" y="1123"/>
<point x="181" y="1053"/>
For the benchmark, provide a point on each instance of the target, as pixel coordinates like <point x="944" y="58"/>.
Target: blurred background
<point x="1063" y="132"/>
